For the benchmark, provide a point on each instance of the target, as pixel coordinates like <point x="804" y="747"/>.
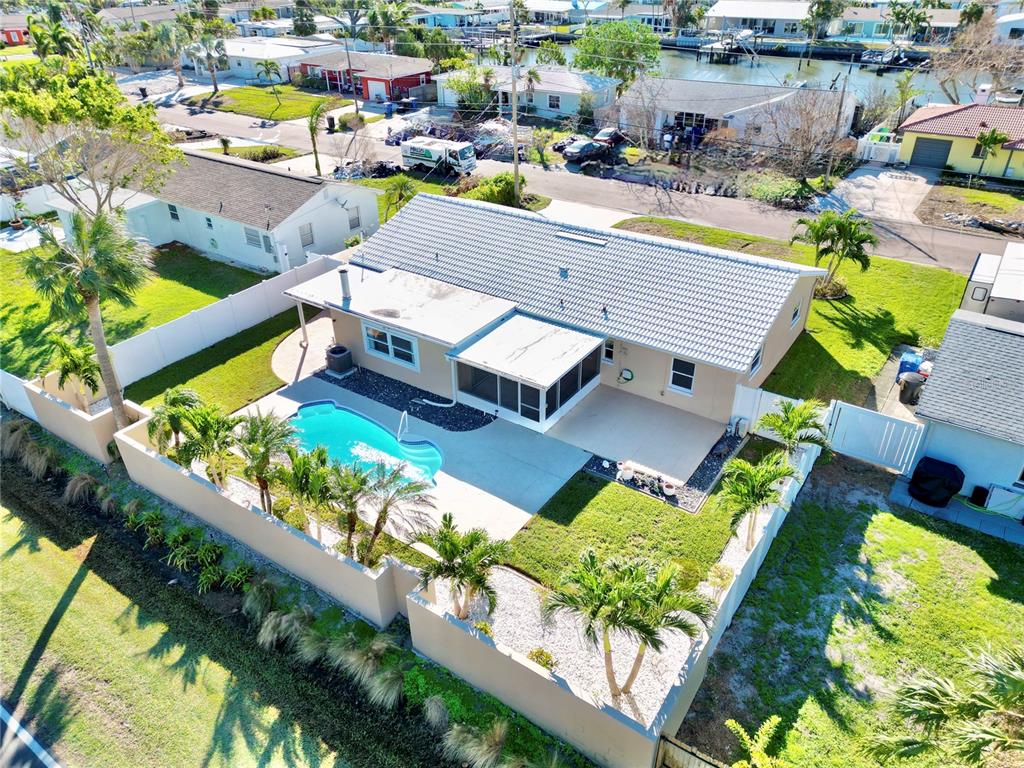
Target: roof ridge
<point x="252" y="165"/>
<point x="956" y="108"/>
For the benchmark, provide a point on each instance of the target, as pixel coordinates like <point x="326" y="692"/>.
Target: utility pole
<point x="348" y="59"/>
<point x="514" y="24"/>
<point x="835" y="132"/>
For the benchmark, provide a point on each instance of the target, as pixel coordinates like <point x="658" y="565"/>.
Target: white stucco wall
<point x="985" y="460"/>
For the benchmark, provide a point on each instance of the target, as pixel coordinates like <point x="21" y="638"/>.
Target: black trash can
<point x="143" y="92"/>
<point x="330" y="123"/>
<point x="935" y="482"/>
<point x="910" y="387"/>
<point x="339" y="359"/>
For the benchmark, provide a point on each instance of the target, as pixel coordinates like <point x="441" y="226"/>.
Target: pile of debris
<point x="1001" y="226"/>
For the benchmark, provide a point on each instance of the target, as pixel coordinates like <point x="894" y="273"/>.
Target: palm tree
<point x="393" y="493"/>
<point x="52" y="38"/>
<point x="168" y="419"/>
<point x="76" y="362"/>
<point x="989" y="141"/>
<point x="262" y="438"/>
<point x="350" y="485"/>
<point x="209" y="436"/>
<point x="905" y="91"/>
<point x="466" y="560"/>
<point x="305" y="478"/>
<point x="979" y="721"/>
<point x="225" y="144"/>
<point x="606" y="597"/>
<point x="269" y="69"/>
<point x="386" y="19"/>
<point x="667" y="607"/>
<point x="756" y="746"/>
<point x="817" y="232"/>
<point x="314" y="122"/>
<point x="95" y="262"/>
<point x="851" y="236"/>
<point x="747" y="488"/>
<point x="210" y="49"/>
<point x="398" y="190"/>
<point x="171" y="41"/>
<point x="907" y="17"/>
<point x="796" y="424"/>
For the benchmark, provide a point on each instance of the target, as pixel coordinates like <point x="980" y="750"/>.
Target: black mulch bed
<point x="690" y="496"/>
<point x="401" y="396"/>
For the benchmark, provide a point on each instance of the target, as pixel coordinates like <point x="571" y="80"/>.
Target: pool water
<point x="350" y="437"/>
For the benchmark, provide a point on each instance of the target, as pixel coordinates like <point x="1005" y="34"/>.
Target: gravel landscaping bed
<point x="518" y="624"/>
<point x="99" y="406"/>
<point x="405" y="397"/>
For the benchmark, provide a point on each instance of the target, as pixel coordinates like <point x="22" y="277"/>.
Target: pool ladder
<point x="403" y="425"/>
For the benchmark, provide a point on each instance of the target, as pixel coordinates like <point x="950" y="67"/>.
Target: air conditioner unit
<point x="1006" y="501"/>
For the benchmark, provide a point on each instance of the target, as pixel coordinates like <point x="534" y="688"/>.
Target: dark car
<point x="609" y="136"/>
<point x="584" y="149"/>
<point x="561" y="144"/>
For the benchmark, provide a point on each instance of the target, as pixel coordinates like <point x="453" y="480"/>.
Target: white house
<point x="244" y="53"/>
<point x="973" y="405"/>
<point x="241" y="10"/>
<point x="246" y="213"/>
<point x="652" y="15"/>
<point x="1010" y="28"/>
<point x="445" y="17"/>
<point x="555" y="96"/>
<point x="776" y="18"/>
<point x="285" y="26"/>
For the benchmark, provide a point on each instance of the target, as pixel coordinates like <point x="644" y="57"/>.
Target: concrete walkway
<point x="882" y="193"/>
<point x="291" y="362"/>
<point x="1000" y="526"/>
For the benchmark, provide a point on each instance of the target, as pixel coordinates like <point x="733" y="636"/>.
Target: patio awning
<point x="530" y="350"/>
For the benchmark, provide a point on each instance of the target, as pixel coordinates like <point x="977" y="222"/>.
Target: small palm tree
<point x="747" y="488"/>
<point x="989" y="141"/>
<point x="393" y="493"/>
<point x="305" y="478"/>
<point x="211" y="50"/>
<point x="850" y="240"/>
<point x="350" y="487"/>
<point x="905" y="91"/>
<point x="314" y="122"/>
<point x="262" y="438"/>
<point x="169" y="417"/>
<point x="398" y="190"/>
<point x="78" y="363"/>
<point x="978" y="722"/>
<point x="225" y="144"/>
<point x="95" y="262"/>
<point x="466" y="560"/>
<point x="209" y="436"/>
<point x="269" y="69"/>
<point x="796" y="424"/>
<point x="756" y="747"/>
<point x="817" y="232"/>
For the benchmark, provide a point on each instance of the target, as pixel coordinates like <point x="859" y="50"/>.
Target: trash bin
<point x="414" y="103"/>
<point x="909" y="361"/>
<point x="339" y="359"/>
<point x="910" y="387"/>
<point x="389" y="110"/>
<point x="143" y="92"/>
<point x="330" y="123"/>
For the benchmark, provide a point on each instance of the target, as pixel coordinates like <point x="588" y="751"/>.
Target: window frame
<point x="308" y="227"/>
<point x="557" y="105"/>
<point x="672" y="373"/>
<point x="389" y="337"/>
<point x="797" y="314"/>
<point x="757" y="362"/>
<point x="252" y="237"/>
<point x="358" y="219"/>
<point x="172" y="209"/>
<point x="608" y="352"/>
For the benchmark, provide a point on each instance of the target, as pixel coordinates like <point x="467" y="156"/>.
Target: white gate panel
<point x="874" y="437"/>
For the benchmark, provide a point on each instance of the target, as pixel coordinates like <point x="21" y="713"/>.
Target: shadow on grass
<point x="808" y="369"/>
<point x="875" y="327"/>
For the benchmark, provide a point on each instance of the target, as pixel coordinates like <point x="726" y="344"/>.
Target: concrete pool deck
<point x="495" y="478"/>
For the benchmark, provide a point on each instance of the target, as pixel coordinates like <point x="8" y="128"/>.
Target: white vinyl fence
<point x="751" y="404"/>
<point x="12" y="392"/>
<point x="876" y="438"/>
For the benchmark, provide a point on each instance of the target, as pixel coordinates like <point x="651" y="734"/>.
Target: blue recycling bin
<point x="413" y="103"/>
<point x="909" y="362"/>
<point x="389" y="109"/>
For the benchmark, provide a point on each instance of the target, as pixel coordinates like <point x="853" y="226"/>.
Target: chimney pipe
<point x="346" y="289"/>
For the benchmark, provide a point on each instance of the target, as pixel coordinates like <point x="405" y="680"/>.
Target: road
<point x="917" y="243"/>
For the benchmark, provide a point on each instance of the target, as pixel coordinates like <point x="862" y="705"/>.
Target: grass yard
<point x="261" y="153"/>
<point x="424" y="183"/>
<point x="290" y="103"/>
<point x="847" y="342"/>
<point x="15" y="50"/>
<point x="183" y="280"/>
<point x="852" y="599"/>
<point x="977" y="202"/>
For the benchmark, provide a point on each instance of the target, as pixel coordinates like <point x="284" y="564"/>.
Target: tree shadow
<point x="810" y="370"/>
<point x="875" y="327"/>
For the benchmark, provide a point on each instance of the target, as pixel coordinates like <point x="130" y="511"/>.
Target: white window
<point x="681" y="378"/>
<point x="796" y="315"/>
<point x="173" y="210"/>
<point x="608" y="354"/>
<point x="209" y="223"/>
<point x="790" y="28"/>
<point x="252" y="237"/>
<point x="353" y="218"/>
<point x="554" y="101"/>
<point x="306" y="235"/>
<point x="383" y="343"/>
<point x="268" y="246"/>
<point x="756" y="364"/>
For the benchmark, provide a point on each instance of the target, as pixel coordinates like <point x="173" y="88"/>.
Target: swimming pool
<point x="351" y="437"/>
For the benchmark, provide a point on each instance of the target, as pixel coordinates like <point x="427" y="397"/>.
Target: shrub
<point x="209" y="577"/>
<point x="462" y="186"/>
<point x="542" y="657"/>
<point x="350" y="121"/>
<point x="775" y="188"/>
<point x="484" y="629"/>
<point x="283" y="510"/>
<point x="260" y="154"/>
<point x="690" y="572"/>
<point x="238" y="577"/>
<point x="835" y="289"/>
<point x="209" y="553"/>
<point x="80" y="488"/>
<point x="352" y="241"/>
<point x="499" y="189"/>
<point x="720" y="577"/>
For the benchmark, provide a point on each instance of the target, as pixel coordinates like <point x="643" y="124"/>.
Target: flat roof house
<point x="775" y="18"/>
<point x="374" y="75"/>
<point x="244" y="53"/>
<point x="247" y="213"/>
<point x="134" y="15"/>
<point x="560" y="327"/>
<point x="946" y="136"/>
<point x="445" y="17"/>
<point x="859" y="24"/>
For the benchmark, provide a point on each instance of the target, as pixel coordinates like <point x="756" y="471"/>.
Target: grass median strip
<point x="289" y="103"/>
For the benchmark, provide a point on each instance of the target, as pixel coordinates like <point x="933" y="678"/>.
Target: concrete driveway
<point x="882" y="193"/>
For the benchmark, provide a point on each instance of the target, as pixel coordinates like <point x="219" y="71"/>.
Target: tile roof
<point x="700" y="303"/>
<point x="976" y="382"/>
<point x="378" y="65"/>
<point x="968" y="120"/>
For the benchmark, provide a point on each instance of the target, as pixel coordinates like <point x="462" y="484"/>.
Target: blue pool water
<point x="351" y="437"/>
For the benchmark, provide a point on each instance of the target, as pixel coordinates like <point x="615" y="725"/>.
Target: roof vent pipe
<point x="346" y="289"/>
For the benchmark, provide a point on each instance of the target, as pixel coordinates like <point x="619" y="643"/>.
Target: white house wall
<point x="329" y="221"/>
<point x="985" y="460"/>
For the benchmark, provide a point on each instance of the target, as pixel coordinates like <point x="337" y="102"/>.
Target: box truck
<point x="425" y="153"/>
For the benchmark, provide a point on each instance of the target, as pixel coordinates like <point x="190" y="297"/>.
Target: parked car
<point x="610" y="136"/>
<point x="584" y="149"/>
<point x="561" y="144"/>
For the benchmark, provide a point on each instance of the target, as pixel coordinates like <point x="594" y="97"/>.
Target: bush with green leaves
<point x="543" y="658"/>
<point x="484" y="628"/>
<point x="775" y="188"/>
<point x="499" y="189"/>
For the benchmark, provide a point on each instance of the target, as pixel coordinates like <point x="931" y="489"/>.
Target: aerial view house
<point x="376" y="76"/>
<point x="14" y="28"/>
<point x="996" y="284"/>
<point x="247" y="213"/>
<point x="871" y="24"/>
<point x="133" y="16"/>
<point x="242" y="10"/>
<point x="651" y="15"/>
<point x="446" y="18"/>
<point x="285" y="26"/>
<point x="775" y="18"/>
<point x="1010" y="28"/>
<point x="556" y="95"/>
<point x="946" y="136"/>
<point x="244" y="53"/>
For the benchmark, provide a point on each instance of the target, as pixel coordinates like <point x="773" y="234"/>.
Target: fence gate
<point x="675" y="754"/>
<point x="874" y="437"/>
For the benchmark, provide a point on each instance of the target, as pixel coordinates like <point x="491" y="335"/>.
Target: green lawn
<point x="847" y="342"/>
<point x="183" y="280"/>
<point x="850" y="601"/>
<point x="257" y="152"/>
<point x="11" y="63"/>
<point x="424" y="183"/>
<point x="15" y="50"/>
<point x="290" y="103"/>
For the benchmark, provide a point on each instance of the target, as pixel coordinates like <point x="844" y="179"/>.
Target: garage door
<point x="931" y="152"/>
<point x="377" y="90"/>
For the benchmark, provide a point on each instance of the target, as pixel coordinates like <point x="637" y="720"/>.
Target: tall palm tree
<point x="466" y="560"/>
<point x="172" y="40"/>
<point x="95" y="262"/>
<point x="668" y="607"/>
<point x="261" y="439"/>
<point x="851" y="236"/>
<point x="350" y="486"/>
<point x="305" y="478"/>
<point x="796" y="424"/>
<point x="979" y="721"/>
<point x="605" y="596"/>
<point x="756" y="746"/>
<point x="747" y="488"/>
<point x="209" y="436"/>
<point x="989" y="141"/>
<point x="76" y="362"/>
<point x="398" y="190"/>
<point x="393" y="493"/>
<point x="269" y="69"/>
<point x="314" y="122"/>
<point x="211" y="50"/>
<point x="52" y="38"/>
<point x="386" y="19"/>
<point x="168" y="419"/>
<point x="905" y="91"/>
<point x="817" y="232"/>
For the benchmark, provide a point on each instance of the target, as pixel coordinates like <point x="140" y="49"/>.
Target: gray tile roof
<point x="373" y="65"/>
<point x="976" y="382"/>
<point x="699" y="303"/>
<point x="250" y="193"/>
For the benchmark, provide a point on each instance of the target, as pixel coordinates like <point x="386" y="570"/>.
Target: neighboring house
<point x="973" y="403"/>
<point x="555" y="96"/>
<point x="996" y="284"/>
<point x="251" y="214"/>
<point x="132" y="16"/>
<point x="378" y="76"/>
<point x="872" y="24"/>
<point x="775" y="18"/>
<point x="14" y="29"/>
<point x="492" y="11"/>
<point x="660" y="107"/>
<point x="654" y="16"/>
<point x="242" y="10"/>
<point x="245" y="53"/>
<point x="563" y="11"/>
<point x="946" y="136"/>
<point x="519" y="315"/>
<point x="285" y="26"/>
<point x="446" y="18"/>
<point x="1010" y="28"/>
